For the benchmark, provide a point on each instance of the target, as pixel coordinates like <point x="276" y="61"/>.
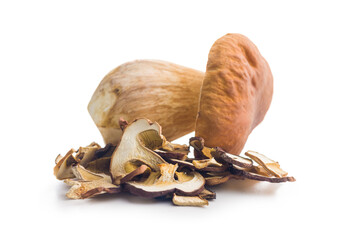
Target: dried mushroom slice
<point x="224" y="157"/>
<point x="100" y="165"/>
<point x="189" y="201"/>
<point x="84" y="174"/>
<point x="203" y="163"/>
<point x="171" y="155"/>
<point x="138" y="171"/>
<point x="87" y="154"/>
<point x="63" y="167"/>
<point x="200" y="151"/>
<point x="269" y="165"/>
<point x="163" y="183"/>
<point x="137" y="143"/>
<point x="89" y="184"/>
<point x="254" y="176"/>
<point x="175" y="148"/>
<point x="84" y="189"/>
<point x="207" y="194"/>
<point x="216" y="180"/>
<point x="106" y="151"/>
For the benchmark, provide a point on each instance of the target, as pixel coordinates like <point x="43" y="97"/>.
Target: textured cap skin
<point x="235" y="95"/>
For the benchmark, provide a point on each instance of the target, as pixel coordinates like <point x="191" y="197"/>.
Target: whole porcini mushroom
<point x="236" y="93"/>
<point x="161" y="91"/>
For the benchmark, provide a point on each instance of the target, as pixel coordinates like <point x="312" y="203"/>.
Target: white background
<point x="54" y="54"/>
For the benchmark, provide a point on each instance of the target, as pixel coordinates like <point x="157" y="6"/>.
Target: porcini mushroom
<point x="235" y="95"/>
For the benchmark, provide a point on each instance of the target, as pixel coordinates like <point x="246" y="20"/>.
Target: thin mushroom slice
<point x="254" y="176"/>
<point x="200" y="151"/>
<point x="195" y="201"/>
<point x="165" y="183"/>
<point x="207" y="194"/>
<point x="269" y="165"/>
<point x="106" y="151"/>
<point x="84" y="189"/>
<point x="222" y="156"/>
<point x="139" y="140"/>
<point x="171" y="155"/>
<point x="216" y="180"/>
<point x="63" y="167"/>
<point x="203" y="163"/>
<point x="87" y="154"/>
<point x="84" y="174"/>
<point x="100" y="165"/>
<point x="175" y="148"/>
<point x="140" y="170"/>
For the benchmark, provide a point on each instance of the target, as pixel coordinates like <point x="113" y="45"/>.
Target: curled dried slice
<point x="106" y="151"/>
<point x="222" y="156"/>
<point x="254" y="176"/>
<point x="207" y="194"/>
<point x="138" y="140"/>
<point x="138" y="171"/>
<point x="173" y="147"/>
<point x="171" y="155"/>
<point x="162" y="183"/>
<point x="89" y="184"/>
<point x="200" y="151"/>
<point x="216" y="180"/>
<point x="100" y="165"/>
<point x="189" y="201"/>
<point x="63" y="167"/>
<point x="87" y="154"/>
<point x="203" y="163"/>
<point x="84" y="189"/>
<point x="269" y="165"/>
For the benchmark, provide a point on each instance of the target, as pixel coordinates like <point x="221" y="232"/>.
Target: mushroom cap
<point x="161" y="91"/>
<point x="235" y="95"/>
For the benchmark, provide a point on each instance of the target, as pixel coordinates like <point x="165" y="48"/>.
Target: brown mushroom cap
<point x="236" y="93"/>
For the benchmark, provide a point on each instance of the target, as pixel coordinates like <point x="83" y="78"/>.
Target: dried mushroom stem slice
<point x="138" y="140"/>
<point x="254" y="176"/>
<point x="189" y="201"/>
<point x="163" y="183"/>
<point x="63" y="167"/>
<point x="269" y="165"/>
<point x="224" y="157"/>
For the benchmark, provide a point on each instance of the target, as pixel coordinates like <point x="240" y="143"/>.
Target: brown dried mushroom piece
<point x="272" y="167"/>
<point x="200" y="151"/>
<point x="138" y="140"/>
<point x="254" y="176"/>
<point x="216" y="180"/>
<point x="86" y="154"/>
<point x="84" y="189"/>
<point x="224" y="157"/>
<point x="63" y="167"/>
<point x="171" y="155"/>
<point x="89" y="184"/>
<point x="195" y="201"/>
<point x="167" y="181"/>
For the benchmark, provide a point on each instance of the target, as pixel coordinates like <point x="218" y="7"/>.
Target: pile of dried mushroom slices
<point x="147" y="165"/>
